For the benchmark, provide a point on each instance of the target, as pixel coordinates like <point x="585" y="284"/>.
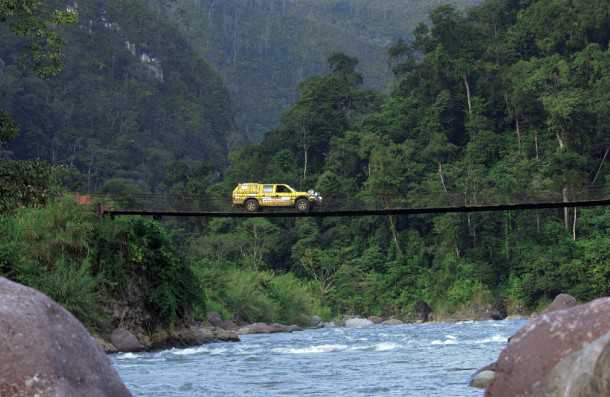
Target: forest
<point x="519" y="103"/>
<point x="263" y="49"/>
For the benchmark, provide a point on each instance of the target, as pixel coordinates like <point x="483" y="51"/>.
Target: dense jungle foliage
<point x="509" y="97"/>
<point x="519" y="104"/>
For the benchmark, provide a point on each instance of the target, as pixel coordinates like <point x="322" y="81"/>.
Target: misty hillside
<point x="263" y="49"/>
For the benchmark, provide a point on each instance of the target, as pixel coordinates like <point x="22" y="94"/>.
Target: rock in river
<point x="263" y="328"/>
<point x="358" y="322"/>
<point x="125" y="341"/>
<point x="484" y="377"/>
<point x="46" y="352"/>
<point x="534" y="356"/>
<point x="561" y="302"/>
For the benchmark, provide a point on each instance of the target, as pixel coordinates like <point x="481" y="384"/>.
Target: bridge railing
<point x="216" y="203"/>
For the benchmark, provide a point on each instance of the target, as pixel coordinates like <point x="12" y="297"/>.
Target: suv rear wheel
<point x="303" y="205"/>
<point x="251" y="205"/>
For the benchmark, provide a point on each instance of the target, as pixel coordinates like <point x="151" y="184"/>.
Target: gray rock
<point x="261" y="328"/>
<point x="545" y="341"/>
<point x="375" y="319"/>
<point x="46" y="352"/>
<point x="105" y="345"/>
<point x="585" y="373"/>
<point x="513" y="317"/>
<point x="483" y="379"/>
<point x="328" y="324"/>
<point x="316" y="321"/>
<point x="229" y="325"/>
<point x="125" y="341"/>
<point x="214" y="319"/>
<point x="392" y="321"/>
<point x="358" y="322"/>
<point x="226" y="335"/>
<point x="561" y="302"/>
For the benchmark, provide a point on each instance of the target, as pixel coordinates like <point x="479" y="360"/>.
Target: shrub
<point x="293" y="299"/>
<point x="247" y="298"/>
<point x="139" y="253"/>
<point x="71" y="285"/>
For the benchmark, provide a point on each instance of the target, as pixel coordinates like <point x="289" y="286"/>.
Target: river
<point x="427" y="360"/>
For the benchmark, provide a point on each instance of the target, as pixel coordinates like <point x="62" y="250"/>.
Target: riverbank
<point x="215" y="329"/>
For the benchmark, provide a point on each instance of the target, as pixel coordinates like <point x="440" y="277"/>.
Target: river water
<point x="425" y="360"/>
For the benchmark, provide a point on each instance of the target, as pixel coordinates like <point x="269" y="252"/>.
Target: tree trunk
<point x="564" y="193"/>
<point x="306" y="155"/>
<point x="574" y="226"/>
<point x="518" y="131"/>
<point x="395" y="235"/>
<point x="506" y="236"/>
<point x="601" y="165"/>
<point x="536" y="145"/>
<point x="468" y="94"/>
<point x="440" y="174"/>
<point x="562" y="144"/>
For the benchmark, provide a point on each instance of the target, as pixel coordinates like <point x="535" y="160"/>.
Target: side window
<point x="268" y="189"/>
<point x="282" y="189"/>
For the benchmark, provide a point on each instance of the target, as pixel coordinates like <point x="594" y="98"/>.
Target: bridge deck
<point x="321" y="212"/>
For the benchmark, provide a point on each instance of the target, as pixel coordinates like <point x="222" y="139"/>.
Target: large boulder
<point x="125" y="341"/>
<point x="192" y="335"/>
<point x="392" y="321"/>
<point x="561" y="302"/>
<point x="224" y="335"/>
<point x="533" y="353"/>
<point x="585" y="373"/>
<point x="358" y="322"/>
<point x="264" y="328"/>
<point x="46" y="352"/>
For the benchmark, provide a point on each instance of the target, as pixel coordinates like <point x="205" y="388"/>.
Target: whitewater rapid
<point x="407" y="360"/>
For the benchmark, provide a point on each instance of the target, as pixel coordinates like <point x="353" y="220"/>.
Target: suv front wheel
<point x="303" y="205"/>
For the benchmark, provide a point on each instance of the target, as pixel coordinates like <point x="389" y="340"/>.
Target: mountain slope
<point x="263" y="49"/>
<point x="132" y="99"/>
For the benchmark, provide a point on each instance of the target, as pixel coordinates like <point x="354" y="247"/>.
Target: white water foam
<point x="386" y="346"/>
<point x="493" y="339"/>
<point x="310" y="349"/>
<point x="451" y="340"/>
<point x="198" y="350"/>
<point x="128" y="356"/>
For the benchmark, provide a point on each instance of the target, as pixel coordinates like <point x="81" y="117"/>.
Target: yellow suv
<point x="254" y="196"/>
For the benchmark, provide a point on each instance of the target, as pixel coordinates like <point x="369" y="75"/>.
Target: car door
<point x="268" y="196"/>
<point x="283" y="196"/>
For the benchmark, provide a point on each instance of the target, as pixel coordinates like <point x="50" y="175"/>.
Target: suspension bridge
<point x="214" y="206"/>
